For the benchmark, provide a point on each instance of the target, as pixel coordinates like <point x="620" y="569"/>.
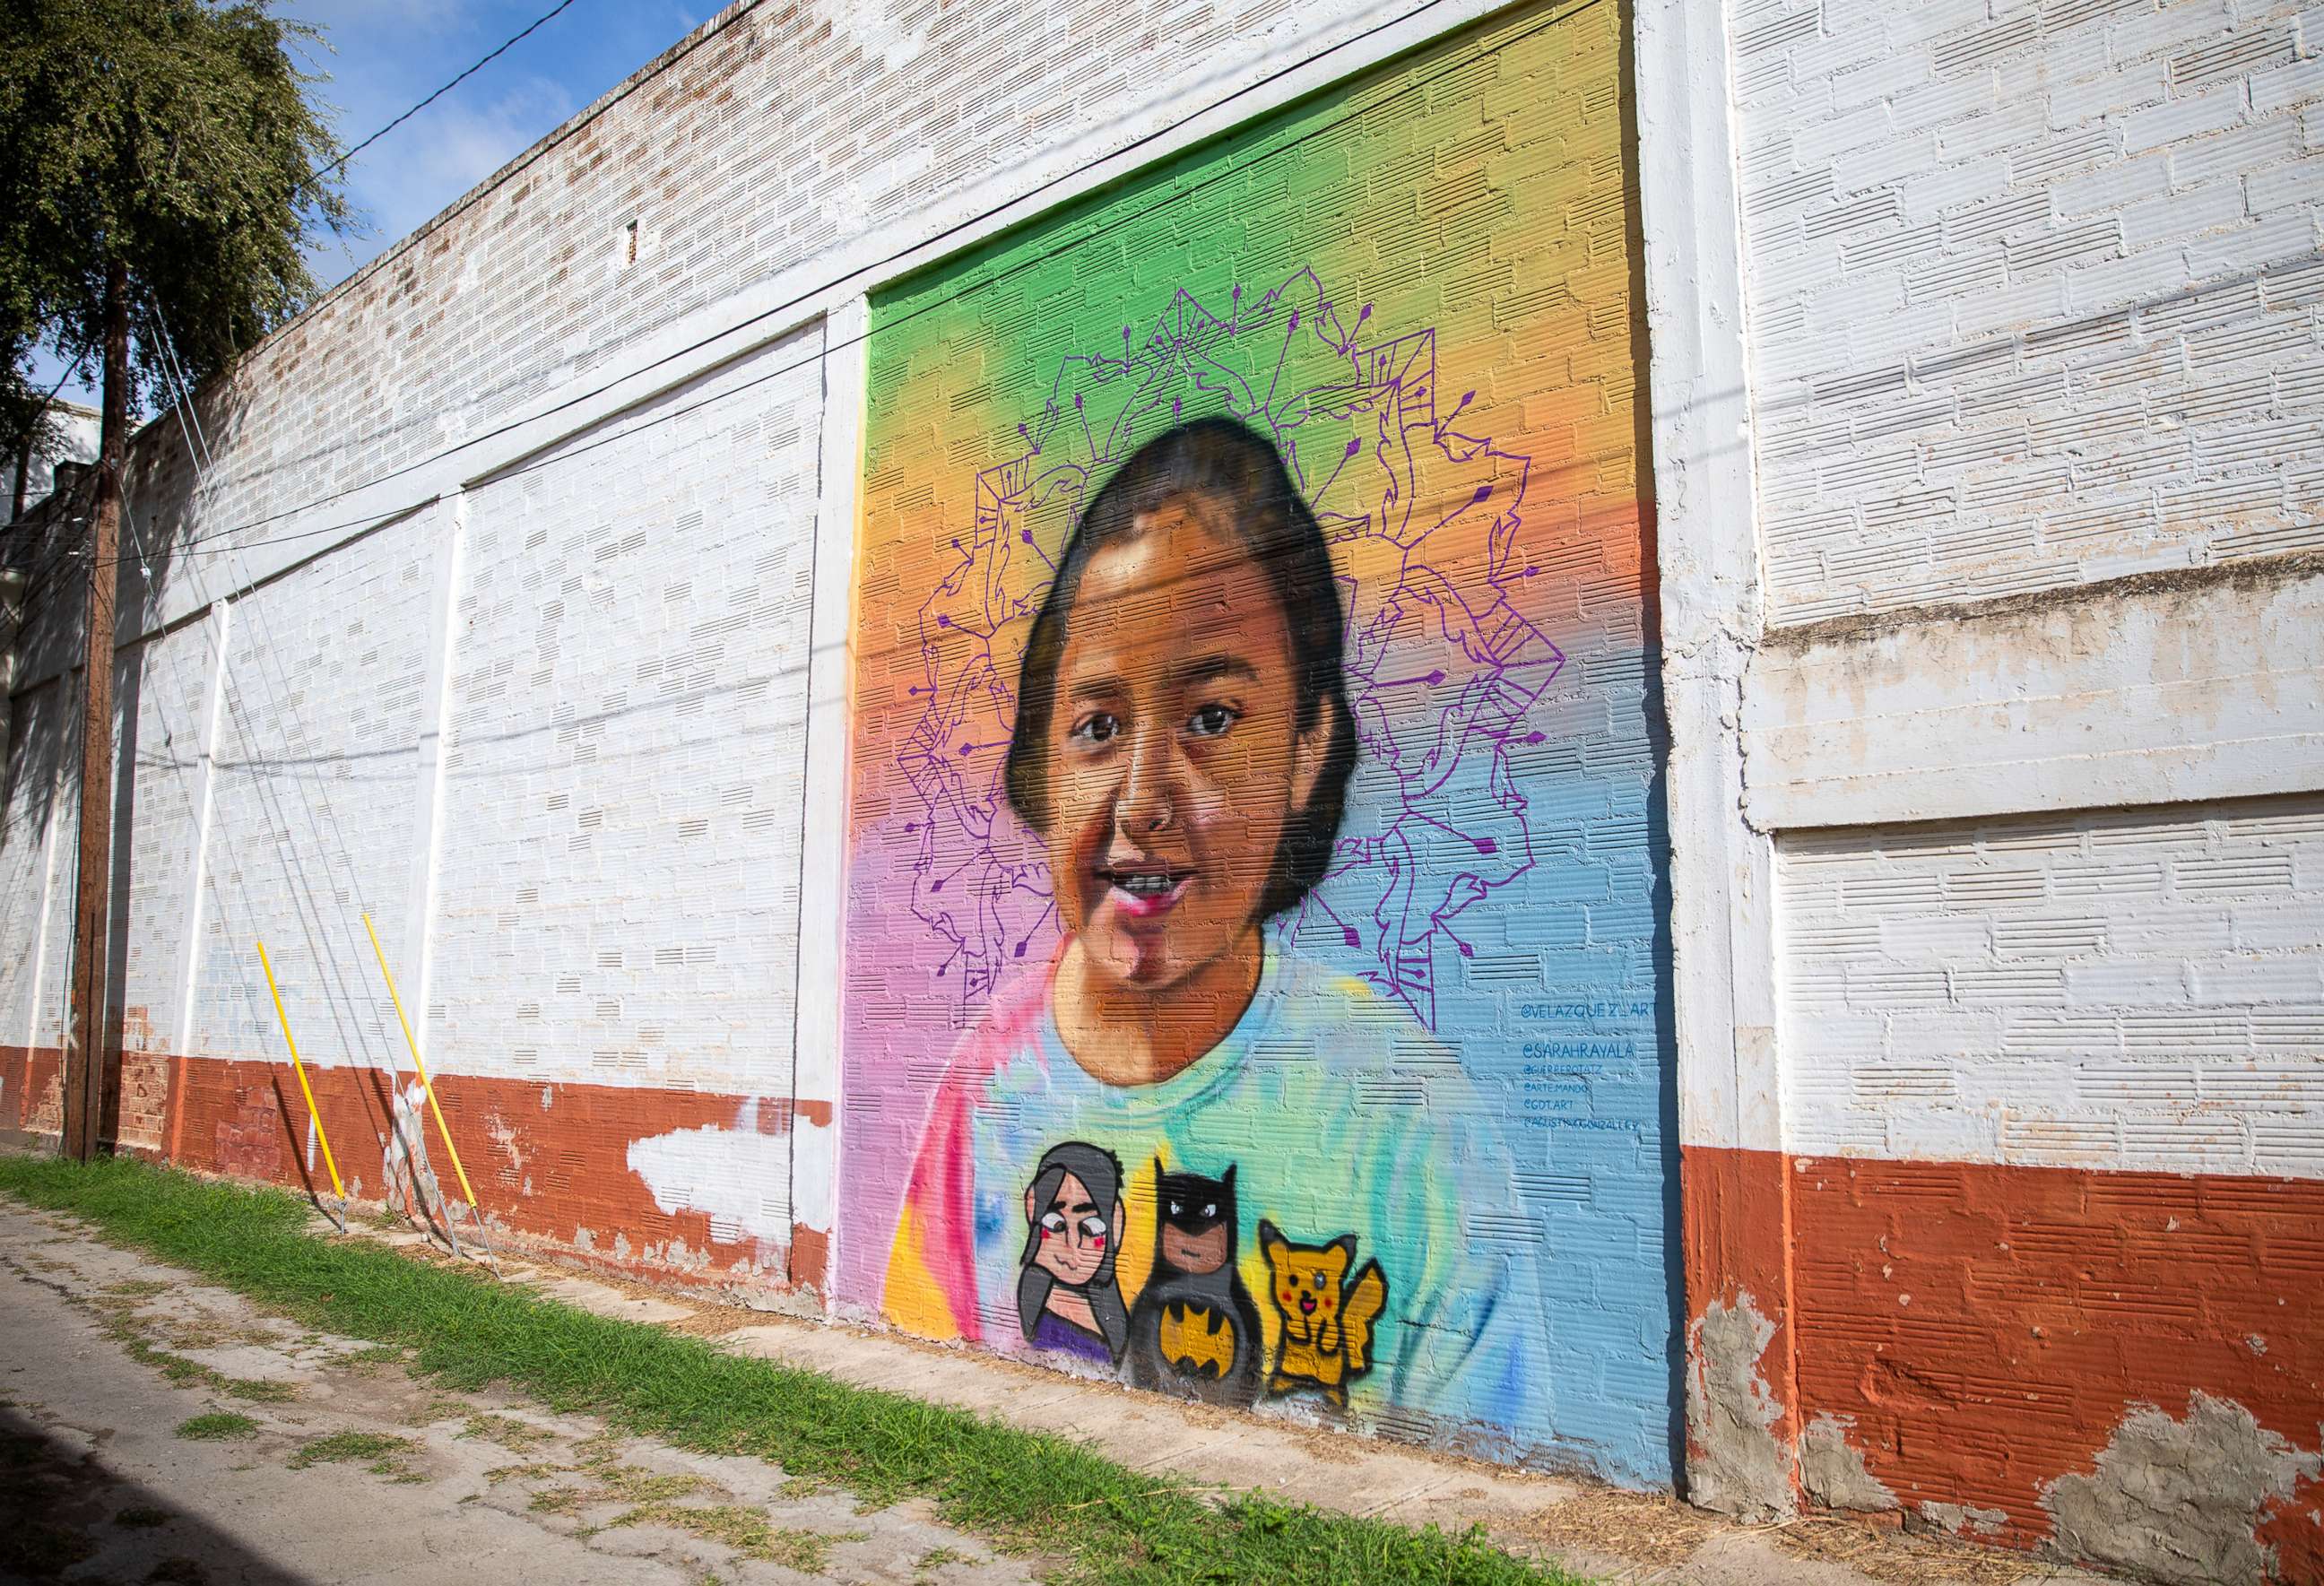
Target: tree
<point x="157" y="164"/>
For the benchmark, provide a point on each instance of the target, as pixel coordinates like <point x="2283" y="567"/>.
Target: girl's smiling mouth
<point x="1142" y="891"/>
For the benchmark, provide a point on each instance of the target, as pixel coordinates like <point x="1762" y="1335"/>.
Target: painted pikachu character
<point x="1327" y="1319"/>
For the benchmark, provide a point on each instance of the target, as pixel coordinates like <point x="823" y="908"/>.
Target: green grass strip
<point x="1099" y="1522"/>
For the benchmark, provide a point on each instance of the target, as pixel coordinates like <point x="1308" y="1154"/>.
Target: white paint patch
<point x="740" y="1178"/>
<point x="814" y="1151"/>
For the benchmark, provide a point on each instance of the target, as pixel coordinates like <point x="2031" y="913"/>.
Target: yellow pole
<point x="299" y="1068"/>
<point x="441" y="1128"/>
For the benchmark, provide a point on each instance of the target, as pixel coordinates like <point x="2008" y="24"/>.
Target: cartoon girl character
<point x="1184" y="748"/>
<point x="1066" y="1296"/>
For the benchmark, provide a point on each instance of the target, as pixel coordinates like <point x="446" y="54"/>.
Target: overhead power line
<point x="507" y="44"/>
<point x="965" y="225"/>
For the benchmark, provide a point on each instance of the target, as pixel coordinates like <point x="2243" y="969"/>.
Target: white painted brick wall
<point x="2140" y="988"/>
<point x="36" y="841"/>
<point x="791" y="135"/>
<point x="2033" y="290"/>
<point x="166" y="680"/>
<point x="618" y="897"/>
<point x="313" y="803"/>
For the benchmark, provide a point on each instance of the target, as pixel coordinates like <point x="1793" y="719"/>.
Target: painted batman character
<point x="1194" y="1331"/>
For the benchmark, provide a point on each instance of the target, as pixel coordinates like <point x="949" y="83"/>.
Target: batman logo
<point x="1196" y="1341"/>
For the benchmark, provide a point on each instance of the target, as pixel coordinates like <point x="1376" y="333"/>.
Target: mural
<point x="1250" y="961"/>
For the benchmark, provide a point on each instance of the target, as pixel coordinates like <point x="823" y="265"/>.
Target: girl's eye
<point x="1211" y="720"/>
<point x="1097" y="728"/>
<point x="1092" y="1228"/>
<point x="1055" y="1222"/>
<point x="1319" y="1276"/>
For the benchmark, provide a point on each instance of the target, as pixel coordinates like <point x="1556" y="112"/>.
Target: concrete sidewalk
<point x="156" y="1429"/>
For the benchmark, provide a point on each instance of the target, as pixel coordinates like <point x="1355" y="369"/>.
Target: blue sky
<point x="381" y="56"/>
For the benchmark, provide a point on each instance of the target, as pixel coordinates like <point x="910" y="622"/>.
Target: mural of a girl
<point x="1183" y="749"/>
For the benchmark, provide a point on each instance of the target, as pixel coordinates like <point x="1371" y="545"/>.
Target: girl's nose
<point x="1148" y="803"/>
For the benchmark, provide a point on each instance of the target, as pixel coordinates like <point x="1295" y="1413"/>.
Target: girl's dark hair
<point x="1099" y="1171"/>
<point x="1225" y="463"/>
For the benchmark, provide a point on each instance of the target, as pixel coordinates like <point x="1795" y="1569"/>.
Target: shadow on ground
<point x="65" y="1514"/>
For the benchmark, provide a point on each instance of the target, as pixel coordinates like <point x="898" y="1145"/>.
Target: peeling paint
<point x="1738" y="1466"/>
<point x="1832" y="1469"/>
<point x="2180" y="1501"/>
<point x="505" y="1136"/>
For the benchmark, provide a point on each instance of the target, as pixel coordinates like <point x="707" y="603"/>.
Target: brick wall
<point x="2028" y="304"/>
<point x="2051" y="1090"/>
<point x="313" y="800"/>
<point x="774" y="137"/>
<point x="2031" y="290"/>
<point x="2123" y="988"/>
<point x="618" y="895"/>
<point x="2026" y="1175"/>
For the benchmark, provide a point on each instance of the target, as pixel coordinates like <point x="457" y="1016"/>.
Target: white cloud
<point x="425" y="165"/>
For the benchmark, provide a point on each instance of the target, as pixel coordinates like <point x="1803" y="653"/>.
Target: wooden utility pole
<point x="84" y="1058"/>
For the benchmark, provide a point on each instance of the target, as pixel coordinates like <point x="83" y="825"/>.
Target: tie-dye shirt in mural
<point x="1340" y="1115"/>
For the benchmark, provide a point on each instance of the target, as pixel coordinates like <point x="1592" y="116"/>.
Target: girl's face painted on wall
<point x="1175" y="757"/>
<point x="1073" y="1232"/>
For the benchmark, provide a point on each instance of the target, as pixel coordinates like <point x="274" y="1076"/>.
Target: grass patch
<point x="511" y="1434"/>
<point x="377" y="1452"/>
<point x="1101" y="1522"/>
<point x="216" y="1428"/>
<point x="258" y="1390"/>
<point x="937" y="1558"/>
<point x="141" y="1516"/>
<point x="116" y="1314"/>
<point x="746" y="1531"/>
<point x="605" y="1480"/>
<point x="439" y="1410"/>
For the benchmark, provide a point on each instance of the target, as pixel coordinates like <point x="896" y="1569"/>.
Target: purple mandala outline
<point x="1442" y="667"/>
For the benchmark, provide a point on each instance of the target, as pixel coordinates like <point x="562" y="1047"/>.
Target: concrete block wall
<point x="2033" y="292"/>
<point x="2002" y="1163"/>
